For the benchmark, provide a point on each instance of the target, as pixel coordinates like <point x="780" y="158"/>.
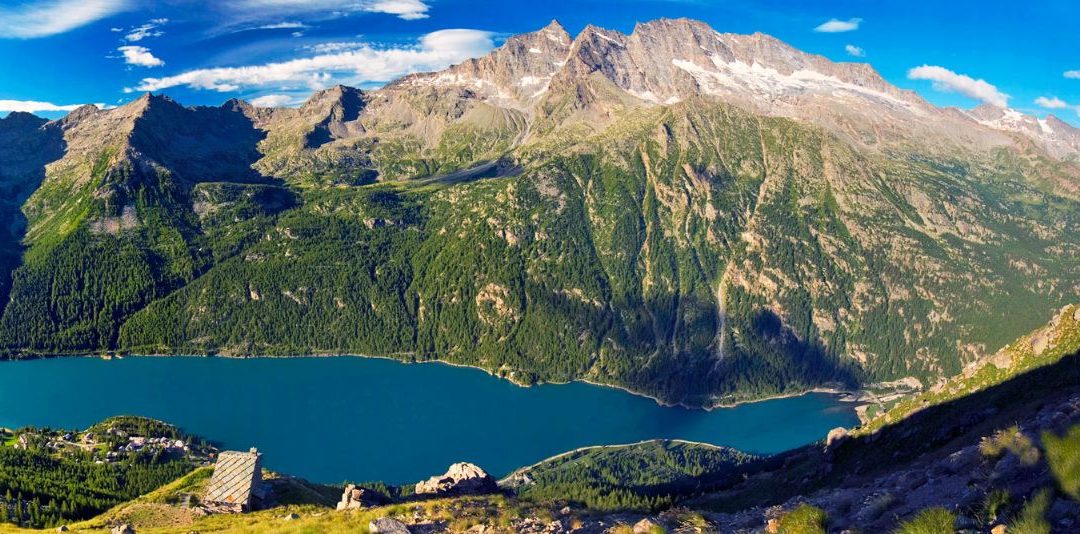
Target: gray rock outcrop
<point x="387" y="525"/>
<point x="461" y="479"/>
<point x="354" y="497"/>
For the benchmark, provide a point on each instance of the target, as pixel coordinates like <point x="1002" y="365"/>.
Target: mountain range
<point x="697" y="216"/>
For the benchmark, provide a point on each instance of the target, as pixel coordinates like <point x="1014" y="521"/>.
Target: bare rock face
<point x="1056" y="137"/>
<point x="355" y="497"/>
<point x="835" y="436"/>
<point x="461" y="479"/>
<point x="123" y="528"/>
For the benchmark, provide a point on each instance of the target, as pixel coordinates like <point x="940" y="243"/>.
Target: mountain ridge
<point x="704" y="251"/>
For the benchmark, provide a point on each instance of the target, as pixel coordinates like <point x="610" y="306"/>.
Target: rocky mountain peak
<point x="79" y="114"/>
<point x="1054" y="135"/>
<point x="514" y="75"/>
<point x="332" y="113"/>
<point x="150" y="101"/>
<point x="339" y="102"/>
<point x="21" y="119"/>
<point x="555" y="31"/>
<point x="236" y="104"/>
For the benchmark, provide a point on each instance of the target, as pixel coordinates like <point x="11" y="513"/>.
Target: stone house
<point x="236" y="485"/>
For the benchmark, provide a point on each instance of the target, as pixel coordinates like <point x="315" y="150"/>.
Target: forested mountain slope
<point x="698" y="216"/>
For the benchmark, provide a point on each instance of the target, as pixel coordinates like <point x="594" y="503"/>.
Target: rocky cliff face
<point x="1058" y="138"/>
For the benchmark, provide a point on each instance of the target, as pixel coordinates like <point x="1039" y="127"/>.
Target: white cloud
<point x="405" y="9"/>
<point x="32" y="106"/>
<point x="949" y="81"/>
<point x="139" y="55"/>
<point x="1075" y="74"/>
<point x="335" y="46"/>
<point x="837" y="26"/>
<point x="150" y="29"/>
<point x="365" y="64"/>
<point x="1054" y="102"/>
<point x="274" y="101"/>
<point x="855" y="50"/>
<point x="50" y="17"/>
<point x="283" y="26"/>
<point x="1051" y="103"/>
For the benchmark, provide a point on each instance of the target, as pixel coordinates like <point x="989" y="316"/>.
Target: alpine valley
<point x="701" y="217"/>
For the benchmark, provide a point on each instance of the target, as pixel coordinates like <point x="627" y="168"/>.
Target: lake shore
<point x="315" y="417"/>
<point x="844" y="395"/>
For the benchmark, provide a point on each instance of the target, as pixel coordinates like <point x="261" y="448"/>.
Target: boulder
<point x="1040" y="342"/>
<point x="998" y="529"/>
<point x="62" y="528"/>
<point x="835" y="436"/>
<point x="461" y="479"/>
<point x="772" y="526"/>
<point x="387" y="525"/>
<point x="123" y="528"/>
<point x="647" y="526"/>
<point x="354" y="498"/>
<point x="1002" y="359"/>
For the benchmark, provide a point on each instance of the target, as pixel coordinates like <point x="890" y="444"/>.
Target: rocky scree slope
<point x="698" y="216"/>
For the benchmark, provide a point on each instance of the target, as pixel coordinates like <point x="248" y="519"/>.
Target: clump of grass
<point x="805" y="519"/>
<point x="1012" y="440"/>
<point x="929" y="521"/>
<point x="1032" y="519"/>
<point x="1063" y="455"/>
<point x="876" y="506"/>
<point x="689" y="521"/>
<point x="994" y="504"/>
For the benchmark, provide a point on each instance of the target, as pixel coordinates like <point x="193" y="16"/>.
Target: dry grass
<point x="1010" y="440"/>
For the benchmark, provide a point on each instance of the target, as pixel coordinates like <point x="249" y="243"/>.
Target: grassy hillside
<point x="1043" y="347"/>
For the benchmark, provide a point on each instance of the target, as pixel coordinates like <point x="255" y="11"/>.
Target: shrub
<point x="1063" y="455"/>
<point x="805" y="519"/>
<point x="993" y="505"/>
<point x="1013" y="440"/>
<point x="929" y="521"/>
<point x="1032" y="518"/>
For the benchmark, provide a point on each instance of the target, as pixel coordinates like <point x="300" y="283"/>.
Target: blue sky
<point x="58" y="53"/>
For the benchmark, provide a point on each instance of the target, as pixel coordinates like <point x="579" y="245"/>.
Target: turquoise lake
<point x="349" y="418"/>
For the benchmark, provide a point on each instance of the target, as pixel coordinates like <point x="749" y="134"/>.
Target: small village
<point x="110" y="444"/>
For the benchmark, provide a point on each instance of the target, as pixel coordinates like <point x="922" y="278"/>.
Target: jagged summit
<point x="667" y="61"/>
<point x="513" y="75"/>
<point x="1057" y="137"/>
<point x="21" y="118"/>
<point x="588" y="77"/>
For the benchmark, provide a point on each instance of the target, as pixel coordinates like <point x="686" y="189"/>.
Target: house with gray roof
<point x="236" y="485"/>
